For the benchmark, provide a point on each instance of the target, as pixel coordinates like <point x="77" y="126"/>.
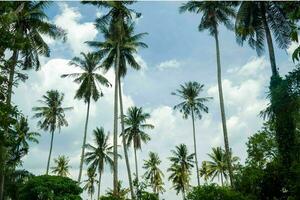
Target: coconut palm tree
<point x="217" y="167"/>
<point x="89" y="80"/>
<point x="215" y="13"/>
<point x="135" y="120"/>
<point x="62" y="166"/>
<point x="153" y="173"/>
<point x="21" y="136"/>
<point x="256" y="20"/>
<point x="30" y="24"/>
<point x="99" y="155"/>
<point x="193" y="105"/>
<point x="90" y="182"/>
<point x="117" y="18"/>
<point x="180" y="170"/>
<point x="128" y="48"/>
<point x="51" y="115"/>
<point x="121" y="192"/>
<point x="204" y="171"/>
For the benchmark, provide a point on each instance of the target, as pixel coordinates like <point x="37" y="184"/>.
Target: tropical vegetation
<point x="270" y="170"/>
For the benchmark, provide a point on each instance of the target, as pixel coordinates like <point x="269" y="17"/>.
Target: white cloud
<point x="292" y="47"/>
<point x="169" y="64"/>
<point x="77" y="33"/>
<point x="253" y="67"/>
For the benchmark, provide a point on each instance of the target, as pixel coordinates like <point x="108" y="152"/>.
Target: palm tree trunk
<point x="124" y="143"/>
<point x="195" y="148"/>
<point x="183" y="193"/>
<point x="84" y="140"/>
<point x="99" y="184"/>
<point x="136" y="168"/>
<point x="269" y="42"/>
<point x="222" y="180"/>
<point x="115" y="140"/>
<point x="219" y="74"/>
<point x="12" y="67"/>
<point x="50" y="152"/>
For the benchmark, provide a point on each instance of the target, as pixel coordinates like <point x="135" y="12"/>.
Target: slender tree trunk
<point x="136" y="168"/>
<point x="115" y="140"/>
<point x="84" y="140"/>
<point x="270" y="43"/>
<point x="99" y="184"/>
<point x="223" y="116"/>
<point x="12" y="67"/>
<point x="124" y="142"/>
<point x="195" y="148"/>
<point x="183" y="194"/>
<point x="222" y="180"/>
<point x="50" y="152"/>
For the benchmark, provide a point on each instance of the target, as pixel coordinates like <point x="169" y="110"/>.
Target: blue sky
<point x="177" y="53"/>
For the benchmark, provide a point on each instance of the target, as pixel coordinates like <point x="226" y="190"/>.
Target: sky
<point x="177" y="53"/>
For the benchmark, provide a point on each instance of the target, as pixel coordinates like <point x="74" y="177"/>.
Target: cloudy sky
<point x="177" y="53"/>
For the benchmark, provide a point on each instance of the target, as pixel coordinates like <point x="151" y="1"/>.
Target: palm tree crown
<point x="62" y="166"/>
<point x="189" y="93"/>
<point x="153" y="173"/>
<point x="52" y="114"/>
<point x="135" y="122"/>
<point x="90" y="182"/>
<point x="89" y="78"/>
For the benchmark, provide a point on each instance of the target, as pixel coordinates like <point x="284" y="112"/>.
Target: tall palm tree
<point x="51" y="115"/>
<point x="215" y="13"/>
<point x="135" y="120"/>
<point x="117" y="18"/>
<point x="216" y="167"/>
<point x="99" y="155"/>
<point x="153" y="173"/>
<point x="62" y="166"/>
<point x="193" y="105"/>
<point x="90" y="182"/>
<point x="30" y="24"/>
<point x="88" y="80"/>
<point x="128" y="48"/>
<point x="256" y="22"/>
<point x="180" y="170"/>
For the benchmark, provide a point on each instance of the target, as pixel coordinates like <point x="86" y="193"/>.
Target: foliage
<point x="153" y="174"/>
<point x="121" y="193"/>
<point x="62" y="166"/>
<point x="91" y="181"/>
<point x="214" y="192"/>
<point x="50" y="187"/>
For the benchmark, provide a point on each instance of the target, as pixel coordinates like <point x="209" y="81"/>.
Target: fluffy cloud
<point x="169" y="64"/>
<point x="77" y="33"/>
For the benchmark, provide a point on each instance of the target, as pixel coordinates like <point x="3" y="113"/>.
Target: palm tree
<point x="128" y="48"/>
<point x="121" y="193"/>
<point x="117" y="18"/>
<point x="62" y="166"/>
<point x="21" y="136"/>
<point x="257" y="22"/>
<point x="90" y="182"/>
<point x="30" y="24"/>
<point x="153" y="173"/>
<point x="51" y="115"/>
<point x="204" y="171"/>
<point x="192" y="105"/>
<point x="99" y="155"/>
<point x="89" y="80"/>
<point x="181" y="164"/>
<point x="135" y="120"/>
<point x="215" y="13"/>
<point x="217" y="167"/>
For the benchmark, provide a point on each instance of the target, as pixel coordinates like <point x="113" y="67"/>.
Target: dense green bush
<point x="214" y="192"/>
<point x="50" y="188"/>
